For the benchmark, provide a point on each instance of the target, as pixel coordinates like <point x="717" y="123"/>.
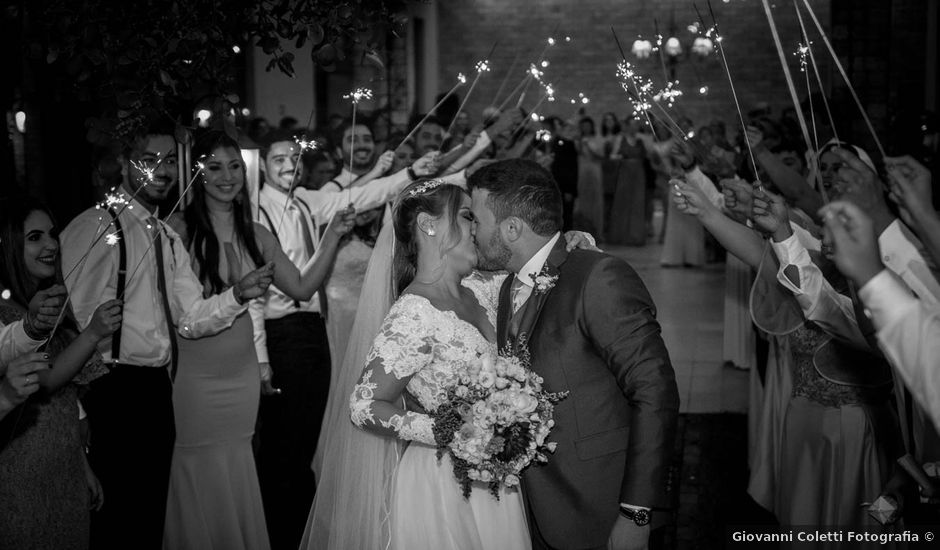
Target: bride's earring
<point x="431" y="232"/>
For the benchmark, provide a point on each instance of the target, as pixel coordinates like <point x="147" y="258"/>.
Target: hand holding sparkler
<point x="854" y="241"/>
<point x="105" y="320"/>
<point x="255" y="284"/>
<point x="426" y="166"/>
<point x="44" y="311"/>
<point x="343" y="221"/>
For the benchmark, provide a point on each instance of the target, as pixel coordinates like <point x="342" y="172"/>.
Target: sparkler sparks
<point x="306" y="144"/>
<point x="803" y="52"/>
<point x="145" y="170"/>
<point x="111" y="239"/>
<point x="535" y="72"/>
<point x="358" y="95"/>
<point x="483" y="66"/>
<point x="669" y="94"/>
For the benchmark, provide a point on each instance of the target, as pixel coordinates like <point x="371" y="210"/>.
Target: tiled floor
<point x="689" y="306"/>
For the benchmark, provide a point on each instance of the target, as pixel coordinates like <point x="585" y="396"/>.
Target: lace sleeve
<point x="485" y="286"/>
<point x="404" y="346"/>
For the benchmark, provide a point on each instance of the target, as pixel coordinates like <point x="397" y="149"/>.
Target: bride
<point x="391" y="491"/>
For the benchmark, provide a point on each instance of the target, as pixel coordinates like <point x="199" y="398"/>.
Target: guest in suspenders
<point x="294" y="342"/>
<point x="130" y="409"/>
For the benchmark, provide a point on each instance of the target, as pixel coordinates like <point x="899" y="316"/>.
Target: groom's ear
<point x="511" y="229"/>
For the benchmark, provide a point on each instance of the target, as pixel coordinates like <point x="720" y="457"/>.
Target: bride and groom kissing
<point x="589" y="327"/>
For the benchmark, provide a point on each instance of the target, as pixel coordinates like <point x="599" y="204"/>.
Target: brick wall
<point x="468" y="28"/>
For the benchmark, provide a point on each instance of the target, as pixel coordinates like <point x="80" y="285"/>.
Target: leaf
<point x="165" y="78"/>
<point x="232" y="98"/>
<point x="52" y="55"/>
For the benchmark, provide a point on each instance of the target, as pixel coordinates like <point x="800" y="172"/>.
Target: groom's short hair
<point x="521" y="188"/>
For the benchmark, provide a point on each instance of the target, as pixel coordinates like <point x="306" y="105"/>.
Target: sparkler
<point x="461" y="80"/>
<point x="845" y="76"/>
<point x="786" y="73"/>
<point x="481" y="67"/>
<point x="812" y="59"/>
<point x="112" y="200"/>
<point x="505" y="81"/>
<point x="625" y="70"/>
<point x="200" y="168"/>
<point x="713" y="31"/>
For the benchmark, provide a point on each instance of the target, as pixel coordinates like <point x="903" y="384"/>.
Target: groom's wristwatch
<point x="640" y="516"/>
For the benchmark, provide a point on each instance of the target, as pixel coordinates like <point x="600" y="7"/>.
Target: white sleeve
<point x="323" y="204"/>
<point x="901" y="256"/>
<point x="909" y="334"/>
<point x="820" y="302"/>
<point x="14" y="342"/>
<point x="256" y="310"/>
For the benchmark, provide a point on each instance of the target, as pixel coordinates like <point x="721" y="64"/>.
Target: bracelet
<point x="236" y="293"/>
<point x="411" y="174"/>
<point x="32" y="332"/>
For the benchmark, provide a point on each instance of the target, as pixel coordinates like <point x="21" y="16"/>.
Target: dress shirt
<point x="144" y="338"/>
<point x="901" y="255"/>
<point x="14" y="342"/>
<point x="525" y="279"/>
<point x="909" y="334"/>
<point x="820" y="302"/>
<point x="277" y="204"/>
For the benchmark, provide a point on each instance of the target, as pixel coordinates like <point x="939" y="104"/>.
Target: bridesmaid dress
<point x="214" y="500"/>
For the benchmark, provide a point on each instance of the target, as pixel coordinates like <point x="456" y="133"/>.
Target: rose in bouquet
<point x="495" y="421"/>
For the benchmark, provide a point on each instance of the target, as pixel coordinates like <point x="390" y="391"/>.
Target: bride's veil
<point x="354" y="468"/>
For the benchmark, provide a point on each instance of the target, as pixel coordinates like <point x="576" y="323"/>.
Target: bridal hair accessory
<point x="429" y="185"/>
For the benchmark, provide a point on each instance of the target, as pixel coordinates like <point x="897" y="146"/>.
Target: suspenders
<point x="121" y="282"/>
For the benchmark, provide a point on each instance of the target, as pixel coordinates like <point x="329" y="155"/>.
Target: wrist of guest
<point x="411" y="173"/>
<point x="867" y="272"/>
<point x="30" y="329"/>
<point x="237" y="294"/>
<point x="782" y="233"/>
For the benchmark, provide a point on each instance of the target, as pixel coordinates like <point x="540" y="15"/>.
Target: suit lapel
<point x="504" y="312"/>
<point x="535" y="303"/>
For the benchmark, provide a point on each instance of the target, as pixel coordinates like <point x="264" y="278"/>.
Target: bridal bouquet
<point x="495" y="421"/>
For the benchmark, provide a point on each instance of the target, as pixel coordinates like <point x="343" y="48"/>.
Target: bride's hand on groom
<point x="580" y="239"/>
<point x="627" y="535"/>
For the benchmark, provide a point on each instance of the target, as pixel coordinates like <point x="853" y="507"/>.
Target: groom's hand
<point x="627" y="535"/>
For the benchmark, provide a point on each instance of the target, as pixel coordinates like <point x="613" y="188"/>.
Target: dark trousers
<point x="130" y="414"/>
<point x="290" y="423"/>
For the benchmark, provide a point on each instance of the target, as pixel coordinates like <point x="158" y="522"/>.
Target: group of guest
<point x="844" y="420"/>
<point x="185" y="360"/>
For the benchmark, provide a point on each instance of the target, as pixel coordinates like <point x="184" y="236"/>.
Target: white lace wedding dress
<point x="428" y="509"/>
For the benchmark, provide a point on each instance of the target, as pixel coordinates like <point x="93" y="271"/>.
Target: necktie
<point x="161" y="286"/>
<point x="518" y="295"/>
<point x="309" y="248"/>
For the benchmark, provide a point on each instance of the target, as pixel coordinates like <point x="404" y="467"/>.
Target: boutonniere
<point x="544" y="280"/>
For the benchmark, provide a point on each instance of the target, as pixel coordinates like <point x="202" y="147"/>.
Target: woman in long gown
<point x="214" y="499"/>
<point x="610" y="166"/>
<point x="838" y="434"/>
<point x="628" y="211"/>
<point x="589" y="206"/>
<point x="47" y="488"/>
<point x="439" y="327"/>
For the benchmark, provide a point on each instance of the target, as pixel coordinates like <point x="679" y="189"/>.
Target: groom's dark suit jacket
<point x="595" y="335"/>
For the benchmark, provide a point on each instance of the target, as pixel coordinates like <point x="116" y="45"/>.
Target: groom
<point x="591" y="329"/>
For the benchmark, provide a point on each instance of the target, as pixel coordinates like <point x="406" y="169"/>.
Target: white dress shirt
<point x="525" y="279"/>
<point x="14" y="342"/>
<point x="909" y="334"/>
<point x="901" y="255"/>
<point x="144" y="338"/>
